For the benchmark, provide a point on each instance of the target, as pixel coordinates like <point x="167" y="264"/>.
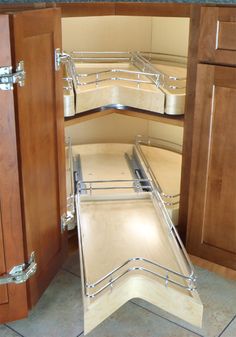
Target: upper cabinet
<point x="217" y="42"/>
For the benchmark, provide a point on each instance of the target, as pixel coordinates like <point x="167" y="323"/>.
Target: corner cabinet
<point x="32" y="158"/>
<point x="32" y="151"/>
<point x="212" y="201"/>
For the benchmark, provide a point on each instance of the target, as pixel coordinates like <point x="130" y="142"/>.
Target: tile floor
<point x="59" y="313"/>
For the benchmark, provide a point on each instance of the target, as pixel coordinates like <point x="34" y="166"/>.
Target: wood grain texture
<point x="41" y="142"/>
<point x="13" y="303"/>
<point x="3" y="288"/>
<point x="16" y="7"/>
<point x="153" y="9"/>
<point x="86" y="9"/>
<point x="217" y="43"/>
<point x="212" y="221"/>
<point x="189" y="119"/>
<point x="116" y="8"/>
<point x="227" y="36"/>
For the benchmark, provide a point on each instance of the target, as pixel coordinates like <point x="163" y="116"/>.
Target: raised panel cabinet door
<point x="13" y="297"/>
<point x="212" y="212"/>
<point x="217" y="42"/>
<point x="41" y="148"/>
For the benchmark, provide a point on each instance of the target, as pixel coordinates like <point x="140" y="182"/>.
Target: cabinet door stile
<point x="13" y="299"/>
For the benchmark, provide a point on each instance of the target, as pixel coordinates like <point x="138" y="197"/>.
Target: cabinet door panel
<point x="40" y="120"/>
<point x="13" y="299"/>
<point x="217" y="42"/>
<point x="212" y="216"/>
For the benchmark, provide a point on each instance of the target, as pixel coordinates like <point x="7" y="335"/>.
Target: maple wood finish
<point x="212" y="221"/>
<point x="217" y="42"/>
<point x="13" y="299"/>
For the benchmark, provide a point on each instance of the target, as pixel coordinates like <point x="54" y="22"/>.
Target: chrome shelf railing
<point x="150" y="74"/>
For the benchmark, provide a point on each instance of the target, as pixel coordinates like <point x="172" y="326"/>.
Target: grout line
<point x="179" y="325"/>
<point x="70" y="272"/>
<point x="226" y="327"/>
<point x="10" y="328"/>
<point x="80" y="334"/>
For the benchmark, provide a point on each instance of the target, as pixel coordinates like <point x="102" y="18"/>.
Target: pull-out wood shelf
<point x="129" y="247"/>
<point x="109" y="162"/>
<point x="128" y="250"/>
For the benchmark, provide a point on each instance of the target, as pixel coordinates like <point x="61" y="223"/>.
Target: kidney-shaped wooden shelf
<point x="96" y="80"/>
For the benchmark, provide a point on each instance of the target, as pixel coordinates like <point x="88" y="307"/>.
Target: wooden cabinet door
<point x="38" y="114"/>
<point x="13" y="298"/>
<point x="212" y="213"/>
<point x="40" y="124"/>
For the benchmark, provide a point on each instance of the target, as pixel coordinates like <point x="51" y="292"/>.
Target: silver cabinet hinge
<point x="65" y="219"/>
<point x="59" y="58"/>
<point x="8" y="78"/>
<point x="20" y="273"/>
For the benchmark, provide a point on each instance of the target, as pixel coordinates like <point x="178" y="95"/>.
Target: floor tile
<point x="59" y="312"/>
<point x="6" y="332"/>
<point x="230" y="330"/>
<point x="132" y="321"/>
<point x="72" y="264"/>
<point x="219" y="301"/>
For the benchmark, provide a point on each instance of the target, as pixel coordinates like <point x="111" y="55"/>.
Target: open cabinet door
<point x="13" y="298"/>
<point x="129" y="247"/>
<point x="38" y="111"/>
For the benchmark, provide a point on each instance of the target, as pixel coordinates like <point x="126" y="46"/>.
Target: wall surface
<point x="113" y="128"/>
<point x="106" y="33"/>
<point x="170" y="35"/>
